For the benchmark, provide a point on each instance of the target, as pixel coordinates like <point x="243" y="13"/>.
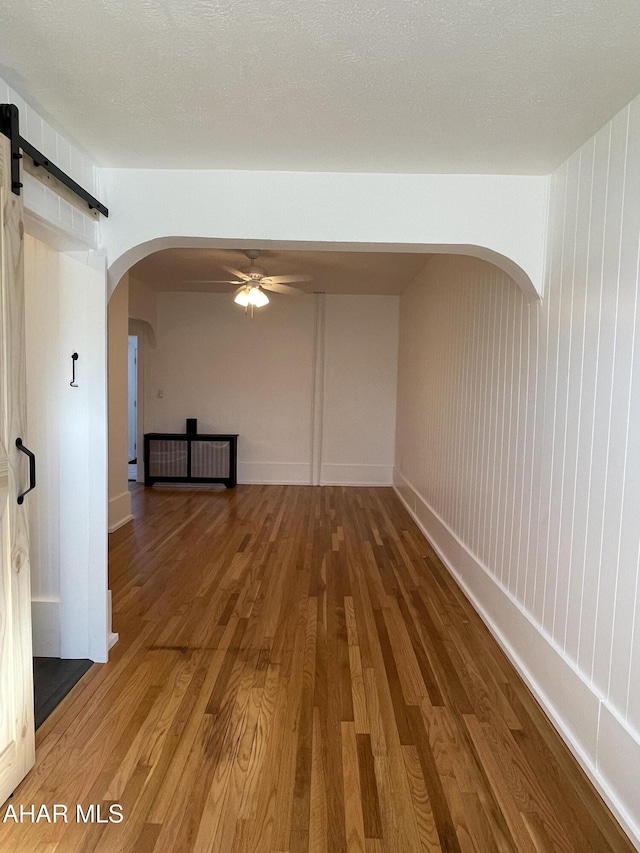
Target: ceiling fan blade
<point x="236" y="273"/>
<point x="282" y="279"/>
<point x="281" y="288"/>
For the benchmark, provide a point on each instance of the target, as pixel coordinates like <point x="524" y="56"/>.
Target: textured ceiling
<point x="505" y="86"/>
<point x="332" y="272"/>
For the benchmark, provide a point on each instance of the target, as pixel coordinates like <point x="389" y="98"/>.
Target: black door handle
<point x="32" y="469"/>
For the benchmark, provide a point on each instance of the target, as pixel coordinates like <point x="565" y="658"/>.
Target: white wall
<point x="255" y="377"/>
<point x="118" y="371"/>
<point x="517" y="450"/>
<point x="501" y="218"/>
<point x="44" y="379"/>
<point x="143" y="301"/>
<point x="359" y="389"/>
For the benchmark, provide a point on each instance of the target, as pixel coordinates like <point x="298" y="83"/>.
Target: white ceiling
<point x="507" y="86"/>
<point x="332" y="272"/>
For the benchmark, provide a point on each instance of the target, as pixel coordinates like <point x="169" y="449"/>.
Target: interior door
<point x="17" y="742"/>
<point x="133" y="397"/>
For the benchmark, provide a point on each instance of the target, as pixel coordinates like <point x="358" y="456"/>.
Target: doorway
<point x="132" y="408"/>
<point x="66" y="384"/>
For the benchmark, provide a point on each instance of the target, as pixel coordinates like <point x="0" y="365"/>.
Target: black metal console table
<point x="190" y="458"/>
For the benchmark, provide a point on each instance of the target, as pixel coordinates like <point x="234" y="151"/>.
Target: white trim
<point x="121" y="523"/>
<point x="297" y="474"/>
<point x="273" y="473"/>
<point x="112" y="637"/>
<point x="341" y="474"/>
<point x="317" y="388"/>
<point x="54" y="220"/>
<point x="140" y="329"/>
<point x="604" y="745"/>
<point x="119" y="510"/>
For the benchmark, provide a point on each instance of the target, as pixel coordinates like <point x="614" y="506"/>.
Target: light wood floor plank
<point x="298" y="673"/>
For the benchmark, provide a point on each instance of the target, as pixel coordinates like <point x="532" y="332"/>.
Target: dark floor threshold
<point x="53" y="678"/>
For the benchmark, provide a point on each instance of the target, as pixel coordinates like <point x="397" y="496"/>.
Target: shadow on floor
<point x="53" y="678"/>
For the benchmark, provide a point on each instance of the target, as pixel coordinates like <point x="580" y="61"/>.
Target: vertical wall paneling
<point x="546" y="589"/>
<point x="483" y="502"/>
<point x="485" y="410"/>
<point x="505" y="426"/>
<point x="588" y="475"/>
<point x="519" y="460"/>
<point x="469" y="412"/>
<point x="626" y="296"/>
<point x="560" y="495"/>
<point x="530" y="512"/>
<point x="468" y="509"/>
<point x="493" y="432"/>
<point x="515" y="313"/>
<point x="612" y="355"/>
<point x="42" y="284"/>
<point x="517" y="448"/>
<point x="625" y="678"/>
<point x="576" y="465"/>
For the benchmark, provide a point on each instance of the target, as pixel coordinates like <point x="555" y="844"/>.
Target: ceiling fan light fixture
<point x="252" y="295"/>
<point x="257" y="297"/>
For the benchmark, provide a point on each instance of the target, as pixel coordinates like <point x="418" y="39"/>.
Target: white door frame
<point x="143" y="331"/>
<point x="81" y="616"/>
<point x="132" y="398"/>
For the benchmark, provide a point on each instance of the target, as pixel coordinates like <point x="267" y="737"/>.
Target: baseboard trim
<point x="299" y="474"/>
<point x="119" y="510"/>
<point x="339" y="474"/>
<point x="604" y="746"/>
<point x="121" y="523"/>
<point x="356" y="484"/>
<point x="274" y="473"/>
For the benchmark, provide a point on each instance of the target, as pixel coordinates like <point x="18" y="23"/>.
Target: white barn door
<point x="17" y="749"/>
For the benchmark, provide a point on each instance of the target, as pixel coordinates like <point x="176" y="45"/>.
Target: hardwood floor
<point x="297" y="672"/>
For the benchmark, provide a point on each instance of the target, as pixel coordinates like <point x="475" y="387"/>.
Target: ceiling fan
<point x="254" y="281"/>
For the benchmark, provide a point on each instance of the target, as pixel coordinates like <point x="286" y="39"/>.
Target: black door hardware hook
<point x="74" y="358"/>
<point x="32" y="469"/>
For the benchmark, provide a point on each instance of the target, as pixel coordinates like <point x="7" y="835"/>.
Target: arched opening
<point x="302" y="384"/>
<point x="121" y="265"/>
